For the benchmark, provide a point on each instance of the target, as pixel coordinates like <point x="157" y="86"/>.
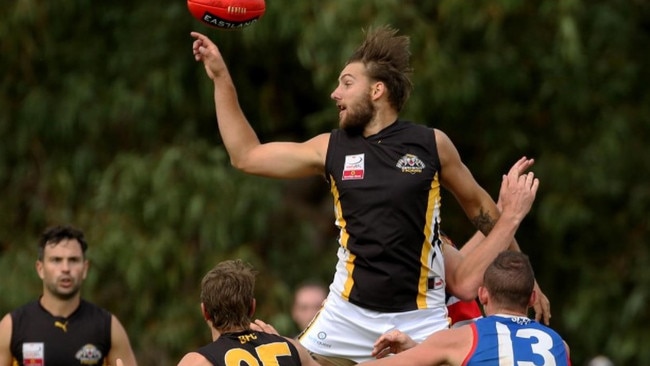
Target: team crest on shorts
<point x="354" y="167"/>
<point x="410" y="163"/>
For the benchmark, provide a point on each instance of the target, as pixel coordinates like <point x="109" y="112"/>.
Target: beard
<point x="358" y="117"/>
<point x="63" y="295"/>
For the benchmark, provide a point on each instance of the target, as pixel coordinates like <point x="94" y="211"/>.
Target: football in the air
<point x="227" y="14"/>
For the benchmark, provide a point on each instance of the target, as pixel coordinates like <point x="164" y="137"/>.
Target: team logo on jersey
<point x="88" y="355"/>
<point x="410" y="163"/>
<point x="354" y="167"/>
<point x="34" y="354"/>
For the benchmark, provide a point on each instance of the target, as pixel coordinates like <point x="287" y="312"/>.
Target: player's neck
<point x="505" y="311"/>
<point x="383" y="119"/>
<point x="216" y="333"/>
<point x="59" y="307"/>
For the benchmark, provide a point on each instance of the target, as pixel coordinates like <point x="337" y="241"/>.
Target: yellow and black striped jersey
<point x="250" y="348"/>
<point x="386" y="192"/>
<point x="39" y="338"/>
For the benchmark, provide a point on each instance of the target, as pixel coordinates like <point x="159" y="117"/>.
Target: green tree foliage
<point x="108" y="123"/>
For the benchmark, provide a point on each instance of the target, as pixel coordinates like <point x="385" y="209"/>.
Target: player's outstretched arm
<point x="275" y="159"/>
<point x="444" y="347"/>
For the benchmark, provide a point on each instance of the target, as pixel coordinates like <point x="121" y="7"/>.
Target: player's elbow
<point x="463" y="291"/>
<point x="466" y="295"/>
<point x="241" y="163"/>
<point x="237" y="164"/>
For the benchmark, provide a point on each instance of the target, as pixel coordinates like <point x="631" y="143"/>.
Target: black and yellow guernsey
<point x="250" y="348"/>
<point x="386" y="192"/>
<point x="39" y="338"/>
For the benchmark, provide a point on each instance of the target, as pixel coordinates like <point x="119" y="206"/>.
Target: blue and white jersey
<point x="515" y="340"/>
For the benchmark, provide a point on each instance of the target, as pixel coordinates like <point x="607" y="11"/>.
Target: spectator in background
<point x="61" y="328"/>
<point x="307" y="301"/>
<point x="600" y="360"/>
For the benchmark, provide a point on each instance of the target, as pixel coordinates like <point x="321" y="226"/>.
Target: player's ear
<point x="39" y="269"/>
<point x="533" y="297"/>
<point x="252" y="309"/>
<point x="377" y="90"/>
<point x="205" y="314"/>
<point x="483" y="295"/>
<point x="85" y="270"/>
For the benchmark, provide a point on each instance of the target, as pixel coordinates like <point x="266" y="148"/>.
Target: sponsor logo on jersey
<point x="410" y="163"/>
<point x="435" y="283"/>
<point x="321" y="341"/>
<point x="89" y="355"/>
<point x="34" y="354"/>
<point x="62" y="325"/>
<point x="354" y="167"/>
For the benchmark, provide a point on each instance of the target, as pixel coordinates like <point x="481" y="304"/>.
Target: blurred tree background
<point x="106" y="122"/>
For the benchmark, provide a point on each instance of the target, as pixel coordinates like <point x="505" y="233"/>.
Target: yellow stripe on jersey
<point x="432" y="206"/>
<point x="343" y="239"/>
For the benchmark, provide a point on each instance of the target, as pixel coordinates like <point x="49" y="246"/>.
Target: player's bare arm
<point x="479" y="207"/>
<point x="286" y="159"/>
<point x="516" y="195"/>
<point x="194" y="359"/>
<point x="247" y="153"/>
<point x="5" y="341"/>
<point x="120" y="345"/>
<point x="444" y="347"/>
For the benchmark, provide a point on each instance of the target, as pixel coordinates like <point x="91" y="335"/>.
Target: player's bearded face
<point x="64" y="293"/>
<point x="358" y="115"/>
<point x="63" y="269"/>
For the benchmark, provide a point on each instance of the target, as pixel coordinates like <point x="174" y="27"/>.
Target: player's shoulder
<point x="194" y="359"/>
<point x="440" y="135"/>
<point x="27" y="309"/>
<point x="88" y="308"/>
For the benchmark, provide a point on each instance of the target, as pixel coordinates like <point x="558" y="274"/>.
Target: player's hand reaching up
<point x="206" y="51"/>
<point x="518" y="190"/>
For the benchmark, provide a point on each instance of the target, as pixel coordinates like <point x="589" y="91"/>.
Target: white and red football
<point x="227" y="14"/>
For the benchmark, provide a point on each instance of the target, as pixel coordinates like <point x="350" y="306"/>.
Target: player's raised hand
<point x="206" y="51"/>
<point x="518" y="190"/>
